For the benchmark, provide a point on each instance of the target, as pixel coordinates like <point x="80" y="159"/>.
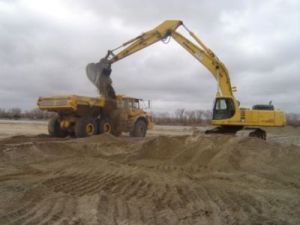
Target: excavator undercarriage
<point x="239" y="130"/>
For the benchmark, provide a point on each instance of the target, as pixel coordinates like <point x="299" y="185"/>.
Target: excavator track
<point x="240" y="131"/>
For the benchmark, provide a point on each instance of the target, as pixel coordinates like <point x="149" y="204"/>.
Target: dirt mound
<point x="157" y="180"/>
<point x="160" y="148"/>
<point x="103" y="139"/>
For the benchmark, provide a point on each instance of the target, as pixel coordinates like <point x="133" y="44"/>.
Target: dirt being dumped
<point x="157" y="180"/>
<point x="99" y="75"/>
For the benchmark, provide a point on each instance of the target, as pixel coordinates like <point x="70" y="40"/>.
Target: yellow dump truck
<point x="81" y="116"/>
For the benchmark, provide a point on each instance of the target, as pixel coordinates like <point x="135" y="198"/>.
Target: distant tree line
<point x="17" y="113"/>
<point x="293" y="119"/>
<point x="183" y="117"/>
<point x="179" y="117"/>
<point x="203" y="117"/>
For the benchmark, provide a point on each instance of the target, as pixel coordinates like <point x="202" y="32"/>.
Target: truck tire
<point x="54" y="129"/>
<point x="105" y="126"/>
<point x="140" y="129"/>
<point x="85" y="127"/>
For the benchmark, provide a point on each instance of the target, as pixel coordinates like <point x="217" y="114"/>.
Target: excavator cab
<point x="223" y="108"/>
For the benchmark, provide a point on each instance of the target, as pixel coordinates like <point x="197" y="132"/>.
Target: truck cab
<point x="133" y="117"/>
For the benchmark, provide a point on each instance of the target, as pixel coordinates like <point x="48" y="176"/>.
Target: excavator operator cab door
<point x="223" y="108"/>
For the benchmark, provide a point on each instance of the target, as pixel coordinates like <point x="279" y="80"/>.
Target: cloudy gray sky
<point x="46" y="44"/>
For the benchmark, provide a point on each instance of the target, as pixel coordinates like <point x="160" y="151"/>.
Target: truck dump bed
<point x="68" y="103"/>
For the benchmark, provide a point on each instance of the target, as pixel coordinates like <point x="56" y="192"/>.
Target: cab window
<point x="126" y="104"/>
<point x="223" y="109"/>
<point x="135" y="104"/>
<point x="221" y="104"/>
<point x="130" y="104"/>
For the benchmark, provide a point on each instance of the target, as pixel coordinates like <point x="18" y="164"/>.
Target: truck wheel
<point x="54" y="129"/>
<point x="85" y="127"/>
<point x="140" y="129"/>
<point x="105" y="126"/>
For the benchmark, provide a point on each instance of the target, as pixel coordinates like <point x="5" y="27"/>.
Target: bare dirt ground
<point x="176" y="175"/>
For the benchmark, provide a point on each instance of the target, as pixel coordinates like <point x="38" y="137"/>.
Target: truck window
<point x="130" y="104"/>
<point x="135" y="104"/>
<point x="124" y="104"/>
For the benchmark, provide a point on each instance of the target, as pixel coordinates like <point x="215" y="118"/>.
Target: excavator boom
<point x="165" y="30"/>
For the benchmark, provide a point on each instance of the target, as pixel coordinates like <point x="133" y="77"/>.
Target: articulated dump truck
<point x="80" y="116"/>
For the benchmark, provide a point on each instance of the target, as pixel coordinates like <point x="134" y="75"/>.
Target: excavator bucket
<point x="95" y="70"/>
<point x="99" y="75"/>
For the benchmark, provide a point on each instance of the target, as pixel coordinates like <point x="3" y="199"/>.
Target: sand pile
<point x="157" y="180"/>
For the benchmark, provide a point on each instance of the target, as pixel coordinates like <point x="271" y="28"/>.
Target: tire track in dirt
<point x="33" y="212"/>
<point x="45" y="211"/>
<point x="26" y="206"/>
<point x="203" y="180"/>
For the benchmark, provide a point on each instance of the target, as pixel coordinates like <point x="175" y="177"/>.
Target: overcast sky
<point x="45" y="46"/>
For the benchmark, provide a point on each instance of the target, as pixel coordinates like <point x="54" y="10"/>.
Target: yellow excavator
<point x="228" y="116"/>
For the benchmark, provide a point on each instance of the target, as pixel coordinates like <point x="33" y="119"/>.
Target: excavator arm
<point x="209" y="60"/>
<point x="144" y="40"/>
<point x="166" y="30"/>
